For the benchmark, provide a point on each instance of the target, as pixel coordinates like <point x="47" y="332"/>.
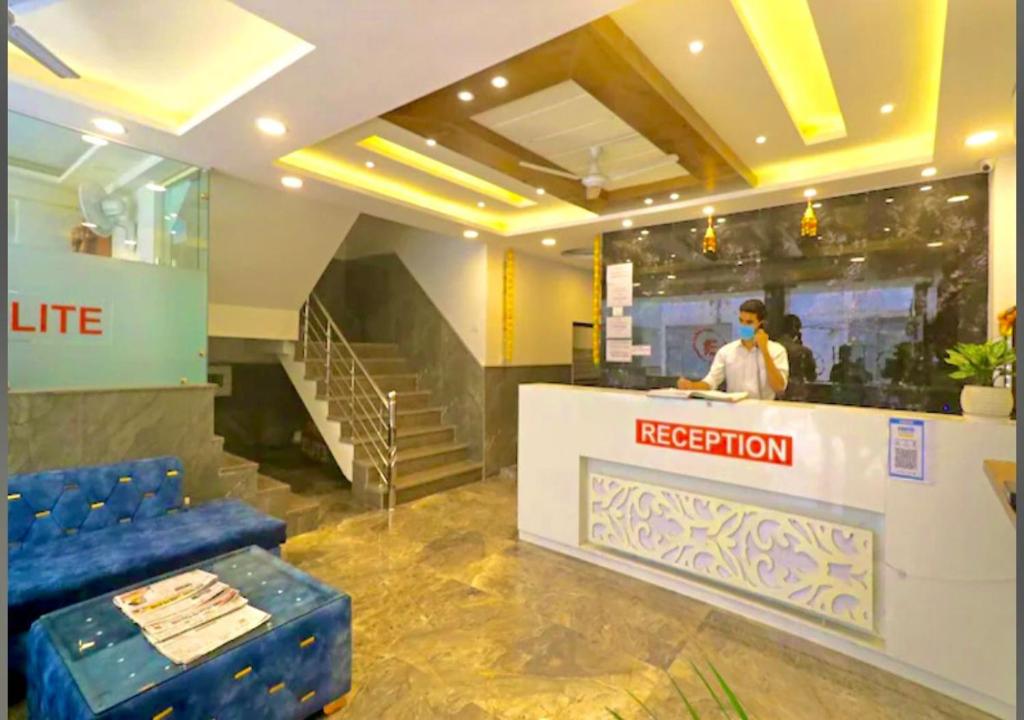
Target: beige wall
<point x="242" y="321"/>
<point x="267" y="249"/>
<point x="549" y="297"/>
<point x="1002" y="239"/>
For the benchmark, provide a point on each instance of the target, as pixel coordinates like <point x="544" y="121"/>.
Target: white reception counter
<point x="790" y="514"/>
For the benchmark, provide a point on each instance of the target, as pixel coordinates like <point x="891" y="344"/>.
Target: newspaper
<point x="190" y="615"/>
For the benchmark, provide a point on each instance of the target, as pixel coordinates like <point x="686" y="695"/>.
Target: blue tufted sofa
<point x="80" y="532"/>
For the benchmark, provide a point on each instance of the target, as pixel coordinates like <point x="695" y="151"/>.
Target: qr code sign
<point x="905" y="459"/>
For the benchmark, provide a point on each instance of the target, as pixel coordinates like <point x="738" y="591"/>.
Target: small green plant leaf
<point x="640" y="702"/>
<point x="689" y="707"/>
<point x="711" y="690"/>
<point x="733" y="700"/>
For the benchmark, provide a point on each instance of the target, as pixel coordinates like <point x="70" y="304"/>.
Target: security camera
<point x="986" y="166"/>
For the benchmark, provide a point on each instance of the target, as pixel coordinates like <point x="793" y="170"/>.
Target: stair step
<point x="386" y="383"/>
<point x="406" y="399"/>
<point x="301" y="514"/>
<point x="374" y="350"/>
<point x="407" y="418"/>
<point x="376" y="367"/>
<point x="237" y="476"/>
<point x="412" y="460"/>
<point x="444" y="477"/>
<point x="410" y="438"/>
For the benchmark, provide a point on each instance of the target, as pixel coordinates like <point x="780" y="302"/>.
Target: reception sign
<point x="739" y="444"/>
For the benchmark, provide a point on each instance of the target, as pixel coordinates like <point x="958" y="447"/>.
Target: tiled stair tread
<point x="401" y="413"/>
<point x="408" y="432"/>
<point x="234" y="462"/>
<point x="438" y="473"/>
<point x="422" y="452"/>
<point x="266" y="485"/>
<point x="297" y="503"/>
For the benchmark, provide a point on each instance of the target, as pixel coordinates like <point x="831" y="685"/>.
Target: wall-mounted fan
<point x="111" y="214"/>
<point x="595" y="180"/>
<point x="26" y="42"/>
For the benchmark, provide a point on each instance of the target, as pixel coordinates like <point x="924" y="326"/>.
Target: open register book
<point x="717" y="395"/>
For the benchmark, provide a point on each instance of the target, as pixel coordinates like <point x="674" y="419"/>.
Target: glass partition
<point x="107" y="252"/>
<point x="866" y="307"/>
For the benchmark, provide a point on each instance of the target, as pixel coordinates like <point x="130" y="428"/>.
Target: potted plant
<point x="981" y="365"/>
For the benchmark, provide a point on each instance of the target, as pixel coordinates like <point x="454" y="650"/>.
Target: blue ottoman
<point x="91" y="661"/>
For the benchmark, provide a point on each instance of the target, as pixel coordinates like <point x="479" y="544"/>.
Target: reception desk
<point x="795" y="515"/>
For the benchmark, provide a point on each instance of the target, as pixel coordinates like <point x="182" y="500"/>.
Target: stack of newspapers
<point x="190" y="615"/>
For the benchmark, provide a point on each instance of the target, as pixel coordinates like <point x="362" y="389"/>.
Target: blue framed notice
<point x="906" y="449"/>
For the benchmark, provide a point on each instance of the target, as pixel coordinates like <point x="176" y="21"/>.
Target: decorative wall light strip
<point x="596" y="295"/>
<point x="508" y="306"/>
<point x="816" y="566"/>
<point x="425" y="163"/>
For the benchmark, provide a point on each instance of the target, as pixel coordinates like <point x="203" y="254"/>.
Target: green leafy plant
<point x="730" y="708"/>
<point x="982" y="363"/>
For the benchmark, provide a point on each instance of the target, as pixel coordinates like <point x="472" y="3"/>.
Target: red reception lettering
<point x="16" y="325"/>
<point x="89" y="316"/>
<point x="738" y="444"/>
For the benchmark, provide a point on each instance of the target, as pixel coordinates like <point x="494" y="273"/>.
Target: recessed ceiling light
<point x="696" y="46"/>
<point x="889" y="200"/>
<point x="858" y="259"/>
<point x="270" y="126"/>
<point x="108" y="126"/>
<point x="887" y="108"/>
<point x="720" y="220"/>
<point x="93" y="140"/>
<point x="671" y="277"/>
<point x="627" y="223"/>
<point x="937" y="243"/>
<point x="708" y="210"/>
<point x="673" y="196"/>
<point x="645" y="232"/>
<point x="290" y="181"/>
<point x="471" y="234"/>
<point x="928" y="172"/>
<point x="371" y="164"/>
<point x="810" y="192"/>
<point x="648" y="201"/>
<point x="981" y="138"/>
<point x="957" y="198"/>
<point x="816" y="205"/>
<point x="673" y="256"/>
<point x="431" y="142"/>
<point x="926" y="188"/>
<point x="887" y="229"/>
<point x="499" y="82"/>
<point x="636" y="284"/>
<point x="540" y="191"/>
<point x="661" y="292"/>
<point x="481" y="204"/>
<point x="91" y="226"/>
<point x="155" y="187"/>
<point x="760" y="139"/>
<point x="465" y="96"/>
<point x="693" y="229"/>
<point x="548" y="242"/>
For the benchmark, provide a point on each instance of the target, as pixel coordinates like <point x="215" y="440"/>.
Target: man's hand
<point x="684" y="384"/>
<point x="761" y="340"/>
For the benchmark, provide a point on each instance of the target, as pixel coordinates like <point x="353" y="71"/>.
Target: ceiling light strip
<point x="786" y="39"/>
<point x="424" y="163"/>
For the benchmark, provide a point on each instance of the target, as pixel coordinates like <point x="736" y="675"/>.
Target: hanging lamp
<point x="709" y="248"/>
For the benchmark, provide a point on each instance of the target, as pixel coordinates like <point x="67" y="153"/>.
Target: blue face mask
<point x="747" y="332"/>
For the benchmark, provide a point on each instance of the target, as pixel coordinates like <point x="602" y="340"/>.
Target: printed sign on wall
<point x="38" y="318"/>
<point x="906" y="449"/>
<point x="739" y="444"/>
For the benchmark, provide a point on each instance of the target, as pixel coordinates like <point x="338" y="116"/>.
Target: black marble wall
<point x="377" y="299"/>
<point x="262" y="413"/>
<point x="501" y="418"/>
<point x="891" y="280"/>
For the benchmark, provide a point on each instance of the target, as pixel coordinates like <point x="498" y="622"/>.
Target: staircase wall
<point x="377" y="299"/>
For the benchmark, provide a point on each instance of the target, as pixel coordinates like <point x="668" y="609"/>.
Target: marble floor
<point x="454" y="618"/>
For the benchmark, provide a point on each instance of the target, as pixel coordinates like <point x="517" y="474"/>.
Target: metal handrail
<point x="371" y="414"/>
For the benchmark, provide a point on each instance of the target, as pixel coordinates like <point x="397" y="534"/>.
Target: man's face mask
<point x="747" y="332"/>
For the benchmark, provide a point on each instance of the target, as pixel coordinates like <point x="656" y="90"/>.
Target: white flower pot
<point x="986" y="403"/>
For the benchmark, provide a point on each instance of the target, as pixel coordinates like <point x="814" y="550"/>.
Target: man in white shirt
<point x="753" y="364"/>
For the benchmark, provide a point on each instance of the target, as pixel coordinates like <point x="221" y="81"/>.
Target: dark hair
<point x="791" y="325"/>
<point x="754" y="306"/>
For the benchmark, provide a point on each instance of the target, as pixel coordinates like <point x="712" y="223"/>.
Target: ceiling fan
<point x="24" y="41"/>
<point x="595" y="180"/>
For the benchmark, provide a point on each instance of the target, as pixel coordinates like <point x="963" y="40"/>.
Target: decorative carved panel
<point x="813" y="565"/>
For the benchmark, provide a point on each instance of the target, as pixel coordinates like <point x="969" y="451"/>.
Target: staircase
<point x="273" y="497"/>
<point x="388" y="436"/>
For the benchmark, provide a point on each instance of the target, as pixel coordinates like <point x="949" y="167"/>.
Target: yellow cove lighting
<point x="427" y="164"/>
<point x="786" y="39"/>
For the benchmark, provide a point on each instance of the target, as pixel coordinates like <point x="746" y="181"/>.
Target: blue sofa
<point x="80" y="532"/>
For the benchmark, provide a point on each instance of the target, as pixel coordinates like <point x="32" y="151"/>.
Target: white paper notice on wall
<point x="641" y="351"/>
<point x="619" y="285"/>
<point x="620" y="327"/>
<point x="618" y="350"/>
<point x="906" y="449"/>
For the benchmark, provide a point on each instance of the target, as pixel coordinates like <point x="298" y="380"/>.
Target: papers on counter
<point x="716" y="395"/>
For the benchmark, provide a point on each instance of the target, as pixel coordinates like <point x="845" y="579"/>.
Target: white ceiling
<point x="561" y="123"/>
<point x="375" y="55"/>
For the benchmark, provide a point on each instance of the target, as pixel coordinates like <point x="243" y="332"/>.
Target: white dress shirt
<point x="744" y="370"/>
